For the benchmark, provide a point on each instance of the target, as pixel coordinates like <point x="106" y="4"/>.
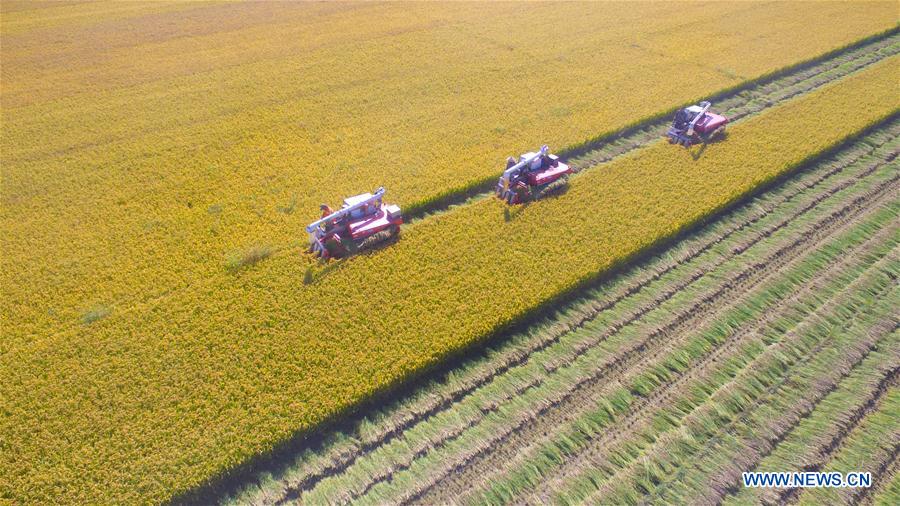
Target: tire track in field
<point x="349" y="455"/>
<point x="753" y="330"/>
<point x="456" y="479"/>
<point x="387" y="472"/>
<point x="852" y="357"/>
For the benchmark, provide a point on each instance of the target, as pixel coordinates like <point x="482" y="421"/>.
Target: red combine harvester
<point x="363" y="220"/>
<point x="696" y="124"/>
<point x="533" y="175"/>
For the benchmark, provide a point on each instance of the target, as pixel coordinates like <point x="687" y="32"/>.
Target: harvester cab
<point x="535" y="174"/>
<point x="696" y="124"/>
<point x="362" y="221"/>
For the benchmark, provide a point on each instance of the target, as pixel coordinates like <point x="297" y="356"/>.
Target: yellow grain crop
<point x="144" y="144"/>
<point x="150" y="401"/>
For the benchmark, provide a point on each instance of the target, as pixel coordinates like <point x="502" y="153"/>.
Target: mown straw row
<point x="871" y="447"/>
<point x="767" y="402"/>
<point x="816" y="438"/>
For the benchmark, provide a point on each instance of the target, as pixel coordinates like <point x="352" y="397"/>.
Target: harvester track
<point x="332" y="460"/>
<point x="736" y="105"/>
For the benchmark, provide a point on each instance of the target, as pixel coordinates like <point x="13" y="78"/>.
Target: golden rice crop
<point x="144" y="146"/>
<point x="153" y="400"/>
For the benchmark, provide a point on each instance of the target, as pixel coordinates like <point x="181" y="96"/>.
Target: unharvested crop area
<point x="160" y="160"/>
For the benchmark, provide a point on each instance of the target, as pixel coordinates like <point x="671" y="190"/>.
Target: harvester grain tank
<point x="362" y="221"/>
<point x="534" y="175"/>
<point x="696" y="124"/>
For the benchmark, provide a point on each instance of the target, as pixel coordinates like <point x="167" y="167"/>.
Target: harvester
<point x="695" y="124"/>
<point x="363" y="221"/>
<point x="535" y="174"/>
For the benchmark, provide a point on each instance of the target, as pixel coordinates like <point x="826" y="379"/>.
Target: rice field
<point x="139" y="160"/>
<point x="165" y="339"/>
<point x="720" y="320"/>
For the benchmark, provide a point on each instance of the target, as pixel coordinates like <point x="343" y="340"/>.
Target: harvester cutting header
<point x="534" y="175"/>
<point x="363" y="221"/>
<point x="696" y="124"/>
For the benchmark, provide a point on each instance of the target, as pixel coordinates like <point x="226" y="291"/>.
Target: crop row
<point x="570" y="414"/>
<point x="817" y="438"/>
<point x="726" y="239"/>
<point x="123" y="195"/>
<point x="665" y="383"/>
<point x="756" y="409"/>
<point x="158" y="400"/>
